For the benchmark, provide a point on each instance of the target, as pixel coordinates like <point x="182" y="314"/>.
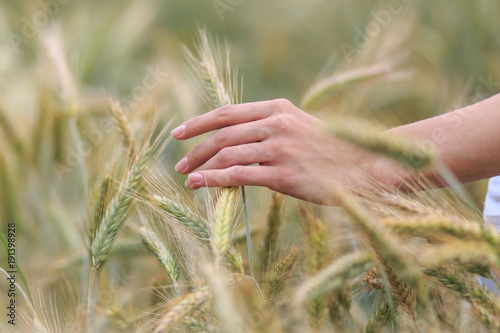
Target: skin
<point x="277" y="145"/>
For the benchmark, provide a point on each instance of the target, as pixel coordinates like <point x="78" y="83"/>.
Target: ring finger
<point x="246" y="154"/>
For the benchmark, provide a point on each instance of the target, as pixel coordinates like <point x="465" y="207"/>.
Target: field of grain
<point x="99" y="233"/>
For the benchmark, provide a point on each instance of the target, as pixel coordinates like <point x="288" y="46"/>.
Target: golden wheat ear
<point x="211" y="70"/>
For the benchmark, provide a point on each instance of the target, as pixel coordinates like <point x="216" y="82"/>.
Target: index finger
<point x="227" y="115"/>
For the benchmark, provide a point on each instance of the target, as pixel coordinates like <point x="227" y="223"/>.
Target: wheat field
<point x="99" y="233"/>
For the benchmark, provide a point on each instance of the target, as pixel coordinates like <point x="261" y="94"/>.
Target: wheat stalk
<point x="11" y="135"/>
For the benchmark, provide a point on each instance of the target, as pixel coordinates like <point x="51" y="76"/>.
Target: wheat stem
<point x="248" y="232"/>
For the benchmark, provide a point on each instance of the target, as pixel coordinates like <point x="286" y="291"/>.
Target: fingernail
<point x="178" y="131"/>
<point x="179" y="167"/>
<point x="195" y="178"/>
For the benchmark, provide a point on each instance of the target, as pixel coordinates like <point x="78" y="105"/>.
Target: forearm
<point x="466" y="140"/>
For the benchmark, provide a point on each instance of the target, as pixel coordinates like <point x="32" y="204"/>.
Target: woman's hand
<point x="272" y="144"/>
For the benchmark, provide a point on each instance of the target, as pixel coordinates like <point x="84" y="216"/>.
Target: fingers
<point x="224" y="116"/>
<point x="233" y="176"/>
<point x="226" y="137"/>
<point x="239" y="155"/>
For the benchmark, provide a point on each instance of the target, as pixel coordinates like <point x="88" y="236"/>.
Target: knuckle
<point x="194" y="155"/>
<point x="262" y="133"/>
<point x="286" y="179"/>
<point x="282" y="122"/>
<point x="221" y="137"/>
<point x="239" y="175"/>
<point x="278" y="148"/>
<point x="223" y="112"/>
<point x="224" y="156"/>
<point x="252" y="152"/>
<point x="270" y="152"/>
<point x="282" y="104"/>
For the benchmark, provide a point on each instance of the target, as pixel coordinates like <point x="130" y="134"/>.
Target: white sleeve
<point x="492" y="202"/>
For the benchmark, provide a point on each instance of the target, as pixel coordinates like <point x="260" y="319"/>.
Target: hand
<point x="272" y="144"/>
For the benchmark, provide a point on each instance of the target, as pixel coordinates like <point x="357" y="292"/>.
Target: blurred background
<point x="62" y="59"/>
<point x="451" y="51"/>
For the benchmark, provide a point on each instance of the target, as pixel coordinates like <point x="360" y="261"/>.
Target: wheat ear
<point x="123" y="125"/>
<point x="330" y="86"/>
<point x="162" y="253"/>
<point x="281" y="274"/>
<point x="381" y="318"/>
<point x="403" y="277"/>
<point x="195" y="324"/>
<point x="114" y="216"/>
<point x="490" y="322"/>
<point x="100" y="206"/>
<point x="316" y="259"/>
<point x="472" y="256"/>
<point x="467" y="288"/>
<point x="411" y="153"/>
<point x="187" y="304"/>
<point x="112" y="222"/>
<point x="183" y="214"/>
<point x="333" y="276"/>
<point x="433" y="226"/>
<point x="190" y="219"/>
<point x="273" y="224"/>
<point x="222" y="221"/>
<point x="373" y="279"/>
